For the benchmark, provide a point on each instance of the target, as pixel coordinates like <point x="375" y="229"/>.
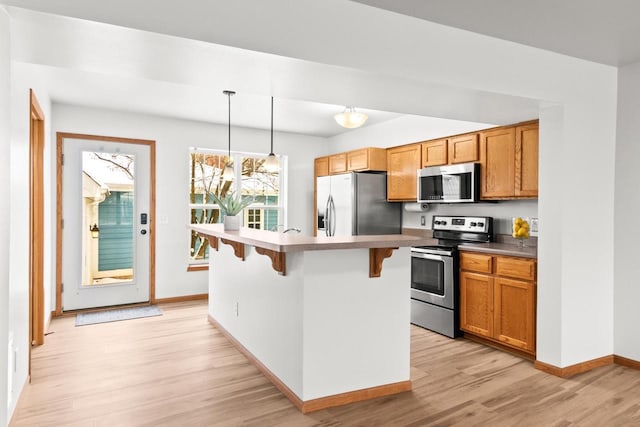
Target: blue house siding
<point x="115" y="246"/>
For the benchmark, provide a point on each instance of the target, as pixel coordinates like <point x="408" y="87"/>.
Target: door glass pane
<point x="109" y="223"/>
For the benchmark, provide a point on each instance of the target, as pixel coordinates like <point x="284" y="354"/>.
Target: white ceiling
<point x="165" y="63"/>
<point x="601" y="31"/>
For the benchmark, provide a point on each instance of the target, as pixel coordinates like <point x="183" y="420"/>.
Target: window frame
<point x="236" y="156"/>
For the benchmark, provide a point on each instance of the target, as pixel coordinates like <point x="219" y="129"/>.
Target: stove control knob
<point x="473" y="224"/>
<point x="481" y="224"/>
<point x="443" y="222"/>
<point x="438" y="222"/>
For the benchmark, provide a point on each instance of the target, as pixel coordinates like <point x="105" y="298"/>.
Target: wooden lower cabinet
<point x="514" y="302"/>
<point x="498" y="299"/>
<point x="476" y="303"/>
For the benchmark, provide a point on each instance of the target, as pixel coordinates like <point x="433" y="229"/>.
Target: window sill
<point x="198" y="267"/>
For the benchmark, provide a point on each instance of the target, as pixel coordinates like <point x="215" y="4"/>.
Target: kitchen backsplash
<point x="502" y="212"/>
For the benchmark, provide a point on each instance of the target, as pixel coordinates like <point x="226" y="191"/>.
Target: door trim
<point x="60" y="137"/>
<point x="36" y="224"/>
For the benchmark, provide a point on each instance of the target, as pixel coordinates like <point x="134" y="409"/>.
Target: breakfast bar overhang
<point x="326" y="319"/>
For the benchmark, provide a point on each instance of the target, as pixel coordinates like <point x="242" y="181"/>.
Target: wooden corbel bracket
<point x="238" y="248"/>
<point x="213" y="243"/>
<point x="278" y="259"/>
<point x="376" y="256"/>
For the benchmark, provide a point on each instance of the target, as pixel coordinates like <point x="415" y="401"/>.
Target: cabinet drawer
<point x="475" y="262"/>
<point x="516" y="267"/>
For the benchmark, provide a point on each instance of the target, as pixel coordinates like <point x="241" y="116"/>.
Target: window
<point x="252" y="181"/>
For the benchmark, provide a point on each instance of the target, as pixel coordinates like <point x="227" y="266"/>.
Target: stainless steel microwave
<point x="449" y="184"/>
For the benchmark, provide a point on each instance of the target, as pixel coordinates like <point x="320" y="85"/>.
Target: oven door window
<point x="428" y="275"/>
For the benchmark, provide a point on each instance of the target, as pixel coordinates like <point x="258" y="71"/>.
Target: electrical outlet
<point x="423" y="220"/>
<point x="534" y="226"/>
<point x="237" y="308"/>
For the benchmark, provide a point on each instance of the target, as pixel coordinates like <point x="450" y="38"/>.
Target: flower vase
<point x="232" y="222"/>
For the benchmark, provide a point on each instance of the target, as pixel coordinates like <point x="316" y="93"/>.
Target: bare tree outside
<point x="206" y="179"/>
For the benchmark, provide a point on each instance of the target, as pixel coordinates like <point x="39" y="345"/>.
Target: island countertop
<point x="290" y="242"/>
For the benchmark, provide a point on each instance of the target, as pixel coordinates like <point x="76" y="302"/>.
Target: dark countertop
<point x="504" y="244"/>
<point x="501" y="249"/>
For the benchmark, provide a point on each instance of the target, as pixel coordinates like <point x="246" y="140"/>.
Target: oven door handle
<point x="428" y="256"/>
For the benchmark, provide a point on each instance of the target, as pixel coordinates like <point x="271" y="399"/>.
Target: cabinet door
<point x="514" y="313"/>
<point x="476" y="303"/>
<point x="526" y="167"/>
<point x="338" y="163"/>
<point x="373" y="159"/>
<point x="463" y="148"/>
<point x="434" y="153"/>
<point x="402" y="172"/>
<point x="497" y="156"/>
<point x="321" y="166"/>
<point x="358" y="160"/>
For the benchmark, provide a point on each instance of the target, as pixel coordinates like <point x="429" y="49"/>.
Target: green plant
<point x="232" y="204"/>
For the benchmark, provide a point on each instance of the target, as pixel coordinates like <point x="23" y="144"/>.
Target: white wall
<point x="5" y="126"/>
<point x="19" y="218"/>
<point x="627" y="206"/>
<point x="173" y="139"/>
<point x="400" y="131"/>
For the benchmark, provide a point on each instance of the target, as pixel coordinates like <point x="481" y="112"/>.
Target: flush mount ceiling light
<point x="271" y="164"/>
<point x="350" y="119"/>
<point x="228" y="173"/>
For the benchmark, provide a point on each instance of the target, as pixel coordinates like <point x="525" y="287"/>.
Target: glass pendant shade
<point x="350" y="118"/>
<point x="228" y="173"/>
<point x="271" y="164"/>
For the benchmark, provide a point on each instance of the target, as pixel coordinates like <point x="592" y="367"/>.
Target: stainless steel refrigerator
<point x="356" y="204"/>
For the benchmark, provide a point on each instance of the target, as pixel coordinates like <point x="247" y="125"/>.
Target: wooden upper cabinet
<point x="434" y="153"/>
<point x="463" y="148"/>
<point x="321" y="166"/>
<point x="338" y="163"/>
<point x="402" y="172"/>
<point x="526" y="167"/>
<point x="514" y="307"/>
<point x="373" y="159"/>
<point x="476" y="303"/>
<point x="497" y="156"/>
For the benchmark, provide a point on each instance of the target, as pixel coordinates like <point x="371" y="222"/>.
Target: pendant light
<point x="271" y="164"/>
<point x="228" y="173"/>
<point x="350" y="119"/>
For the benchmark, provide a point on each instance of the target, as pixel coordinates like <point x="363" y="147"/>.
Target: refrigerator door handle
<point x="327" y="217"/>
<point x="333" y="217"/>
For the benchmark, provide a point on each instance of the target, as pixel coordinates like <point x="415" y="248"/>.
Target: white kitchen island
<point x="310" y="313"/>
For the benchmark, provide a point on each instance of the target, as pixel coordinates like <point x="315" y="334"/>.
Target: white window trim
<point x="237" y="158"/>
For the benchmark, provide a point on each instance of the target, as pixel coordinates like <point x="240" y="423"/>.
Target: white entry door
<point x="106" y="201"/>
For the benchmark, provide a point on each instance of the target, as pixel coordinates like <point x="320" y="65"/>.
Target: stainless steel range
<point x="435" y="272"/>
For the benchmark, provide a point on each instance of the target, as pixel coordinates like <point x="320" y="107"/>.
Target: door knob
<point x="143" y="232"/>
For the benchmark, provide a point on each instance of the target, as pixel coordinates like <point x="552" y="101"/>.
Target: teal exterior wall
<point x="116" y="222"/>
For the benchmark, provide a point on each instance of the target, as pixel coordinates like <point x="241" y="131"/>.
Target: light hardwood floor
<point x="178" y="370"/>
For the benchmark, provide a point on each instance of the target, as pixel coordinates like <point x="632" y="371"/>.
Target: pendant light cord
<point x="229" y="122"/>
<point x="271" y="152"/>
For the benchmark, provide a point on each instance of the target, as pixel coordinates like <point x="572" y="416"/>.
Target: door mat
<point x="117" y="315"/>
